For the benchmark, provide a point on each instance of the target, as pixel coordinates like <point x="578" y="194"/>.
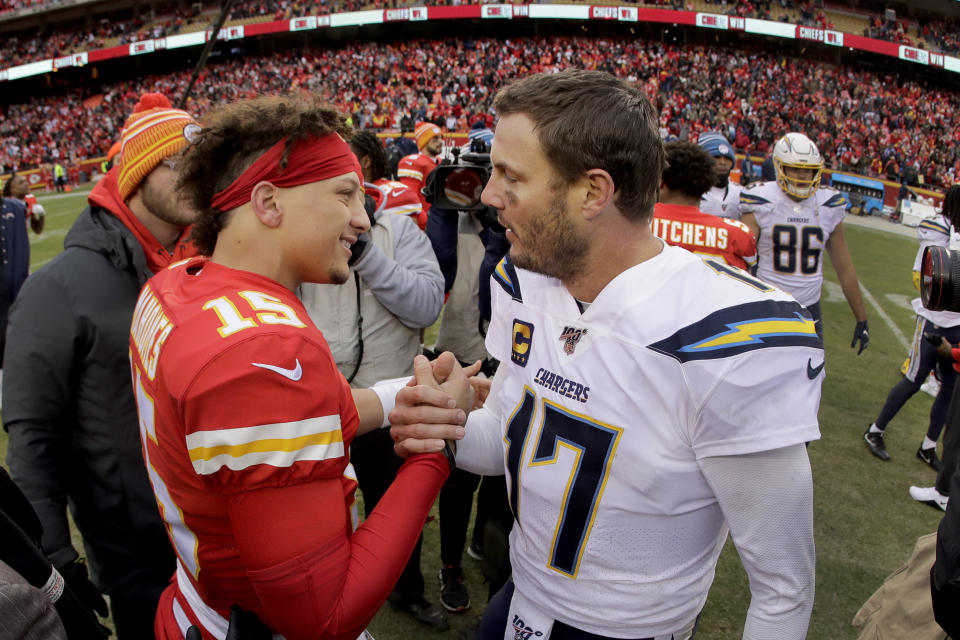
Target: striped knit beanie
<point x="424" y="133"/>
<point x="716" y="145"/>
<point x="154" y="131"/>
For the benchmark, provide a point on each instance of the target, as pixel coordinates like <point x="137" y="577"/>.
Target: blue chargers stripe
<point x="506" y="276"/>
<point x="933" y="226"/>
<point x="747" y="198"/>
<point x="689" y="343"/>
<point x="836" y="200"/>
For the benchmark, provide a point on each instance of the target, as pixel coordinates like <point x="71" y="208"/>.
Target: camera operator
<point x="469" y="242"/>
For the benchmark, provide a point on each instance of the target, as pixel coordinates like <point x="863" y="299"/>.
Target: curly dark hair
<point x="689" y="168"/>
<point x="233" y="137"/>
<point x="366" y="144"/>
<point x="951" y="205"/>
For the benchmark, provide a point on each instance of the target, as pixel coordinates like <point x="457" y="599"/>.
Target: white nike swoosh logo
<point x="394" y="194"/>
<point x="293" y="374"/>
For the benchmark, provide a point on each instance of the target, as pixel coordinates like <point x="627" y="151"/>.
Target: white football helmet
<point x="798" y="151"/>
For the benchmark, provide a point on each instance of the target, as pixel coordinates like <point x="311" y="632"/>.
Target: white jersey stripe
<point x="247" y="435"/>
<point x="213" y="622"/>
<point x="409" y="173"/>
<point x="404" y="210"/>
<point x="280" y="445"/>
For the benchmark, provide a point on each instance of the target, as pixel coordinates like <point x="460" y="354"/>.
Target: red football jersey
<point x="688" y="227"/>
<point x="413" y="171"/>
<point x="402" y="200"/>
<point x="239" y="397"/>
<point x="30" y="200"/>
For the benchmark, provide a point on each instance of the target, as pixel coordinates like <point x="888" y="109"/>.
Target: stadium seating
<point x="58" y="39"/>
<point x="858" y="118"/>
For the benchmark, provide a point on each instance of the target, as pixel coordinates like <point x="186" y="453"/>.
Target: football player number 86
<point x="593" y="445"/>
<point x="785" y="249"/>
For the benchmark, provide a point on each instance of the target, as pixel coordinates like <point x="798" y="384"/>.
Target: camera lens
<point x="940" y="279"/>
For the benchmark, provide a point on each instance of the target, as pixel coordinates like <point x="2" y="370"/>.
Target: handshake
<point x="431" y="410"/>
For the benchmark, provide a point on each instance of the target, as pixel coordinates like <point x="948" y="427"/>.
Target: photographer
<point x="469" y="243"/>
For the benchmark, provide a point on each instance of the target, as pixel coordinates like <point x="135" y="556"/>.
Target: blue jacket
<point x="15" y="248"/>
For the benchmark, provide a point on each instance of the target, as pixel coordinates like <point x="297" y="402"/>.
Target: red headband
<point x="310" y="160"/>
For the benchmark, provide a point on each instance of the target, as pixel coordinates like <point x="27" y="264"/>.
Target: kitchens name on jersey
<point x="701" y="235"/>
<point x="149" y="330"/>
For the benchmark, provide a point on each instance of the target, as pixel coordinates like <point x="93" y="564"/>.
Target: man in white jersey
<point x="793" y="220"/>
<point x="940" y="231"/>
<point x="722" y="198"/>
<point x="646" y="398"/>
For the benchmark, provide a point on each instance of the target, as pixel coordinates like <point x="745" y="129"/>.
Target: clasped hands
<point x="433" y="407"/>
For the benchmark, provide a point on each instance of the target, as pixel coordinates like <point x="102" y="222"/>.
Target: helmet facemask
<point x="798" y="187"/>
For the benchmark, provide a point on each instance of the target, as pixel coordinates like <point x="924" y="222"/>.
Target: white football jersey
<point x="722" y="201"/>
<point x="792" y="236"/>
<point x="607" y="412"/>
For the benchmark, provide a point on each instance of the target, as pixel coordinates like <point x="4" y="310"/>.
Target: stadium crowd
<point x="62" y="39"/>
<point x="862" y="121"/>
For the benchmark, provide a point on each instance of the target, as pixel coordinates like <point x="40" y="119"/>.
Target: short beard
<point x="560" y="252"/>
<point x="165" y="206"/>
<point x="723" y="179"/>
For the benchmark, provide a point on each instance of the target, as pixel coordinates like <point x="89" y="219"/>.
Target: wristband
<point x="386" y="391"/>
<point x="53" y="587"/>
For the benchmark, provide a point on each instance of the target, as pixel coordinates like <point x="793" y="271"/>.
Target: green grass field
<point x="866" y="523"/>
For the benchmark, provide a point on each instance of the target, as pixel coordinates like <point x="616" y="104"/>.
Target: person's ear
<point x="598" y="194"/>
<point x="266" y="204"/>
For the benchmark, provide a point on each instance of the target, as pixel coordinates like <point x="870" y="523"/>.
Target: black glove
<point x="75" y="575"/>
<point x="862" y="334"/>
<point x="244" y="625"/>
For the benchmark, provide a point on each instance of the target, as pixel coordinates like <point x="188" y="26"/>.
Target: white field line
<point x="886" y="318"/>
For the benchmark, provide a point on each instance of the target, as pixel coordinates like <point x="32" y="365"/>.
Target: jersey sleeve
<point x="833" y="210"/>
<point x="744" y="244"/>
<point x="402" y="200"/>
<point x="761" y="400"/>
<point x="753" y="372"/>
<point x="410" y="172"/>
<point x="271" y="411"/>
<point x="932" y="232"/>
<point x="752" y="200"/>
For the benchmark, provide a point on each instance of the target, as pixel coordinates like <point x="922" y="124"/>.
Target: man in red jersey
<point x="678" y="220"/>
<point x="245" y="420"/>
<point x="400" y="199"/>
<point x="414" y="169"/>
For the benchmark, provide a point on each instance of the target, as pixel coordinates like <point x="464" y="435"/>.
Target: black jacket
<point x="70" y="410"/>
<point x="945" y="574"/>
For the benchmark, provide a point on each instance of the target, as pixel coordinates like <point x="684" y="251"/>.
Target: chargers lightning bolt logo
<point x="745" y="327"/>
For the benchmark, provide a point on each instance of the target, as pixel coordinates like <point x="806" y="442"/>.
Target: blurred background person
<point x="678" y="221"/>
<point x="723" y="192"/>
